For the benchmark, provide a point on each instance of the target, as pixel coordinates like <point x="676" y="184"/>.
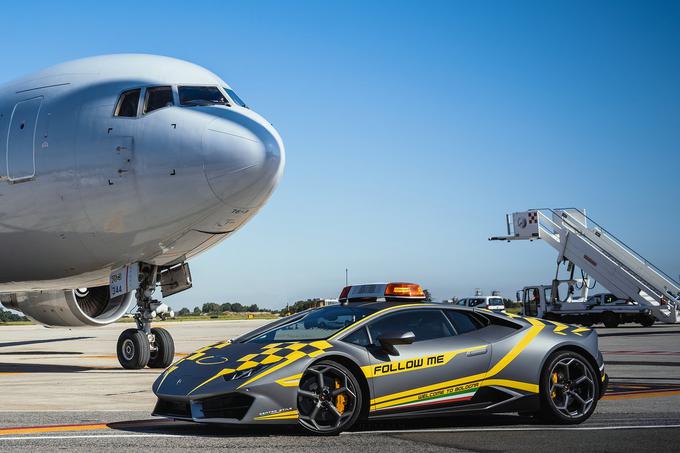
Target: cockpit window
<point x="234" y="97"/>
<point x="127" y="103"/>
<point x="201" y="96"/>
<point x="157" y="98"/>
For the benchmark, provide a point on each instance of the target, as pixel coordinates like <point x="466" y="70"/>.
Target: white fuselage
<point x="83" y="191"/>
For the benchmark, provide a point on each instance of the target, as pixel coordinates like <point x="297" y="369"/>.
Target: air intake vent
<point x="232" y="405"/>
<point x="170" y="408"/>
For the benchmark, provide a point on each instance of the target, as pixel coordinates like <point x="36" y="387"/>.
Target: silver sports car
<point x="385" y="353"/>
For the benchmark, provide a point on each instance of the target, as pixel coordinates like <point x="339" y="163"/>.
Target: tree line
<point x="211" y="308"/>
<point x="301" y="305"/>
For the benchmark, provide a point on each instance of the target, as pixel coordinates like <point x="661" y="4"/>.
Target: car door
<point x="531" y="301"/>
<point x="438" y="370"/>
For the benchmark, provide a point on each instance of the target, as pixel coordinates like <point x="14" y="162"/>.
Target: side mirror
<point x="388" y="340"/>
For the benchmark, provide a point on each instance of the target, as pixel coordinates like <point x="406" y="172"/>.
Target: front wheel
<point x="133" y="349"/>
<point x="569" y="390"/>
<point x="329" y="398"/>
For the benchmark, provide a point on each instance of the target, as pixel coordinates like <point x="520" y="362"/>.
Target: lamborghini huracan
<point x="384" y="352"/>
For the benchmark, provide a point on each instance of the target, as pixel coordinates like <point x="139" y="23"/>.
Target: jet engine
<point x="70" y="308"/>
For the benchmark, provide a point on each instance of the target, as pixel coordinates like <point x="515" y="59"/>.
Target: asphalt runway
<point x="62" y="389"/>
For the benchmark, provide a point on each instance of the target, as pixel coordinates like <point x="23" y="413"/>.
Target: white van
<point x="488" y="302"/>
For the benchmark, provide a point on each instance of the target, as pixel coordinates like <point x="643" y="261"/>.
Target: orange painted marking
<point x="53" y="428"/>
<point x="87" y="368"/>
<point x="652" y="394"/>
<point x="83" y="427"/>
<point x="178" y="355"/>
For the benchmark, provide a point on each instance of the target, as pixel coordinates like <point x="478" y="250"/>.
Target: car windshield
<point x="195" y="96"/>
<point x="314" y="325"/>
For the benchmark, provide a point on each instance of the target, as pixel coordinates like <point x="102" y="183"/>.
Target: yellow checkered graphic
<point x="276" y="352"/>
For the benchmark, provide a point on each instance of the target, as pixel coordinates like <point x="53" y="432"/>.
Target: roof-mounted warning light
<point x="409" y="290"/>
<point x="388" y="292"/>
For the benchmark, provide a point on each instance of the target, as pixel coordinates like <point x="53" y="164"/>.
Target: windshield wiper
<point x="202" y="102"/>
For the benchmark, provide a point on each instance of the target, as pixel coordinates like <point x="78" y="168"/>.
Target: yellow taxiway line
<point x="53" y="428"/>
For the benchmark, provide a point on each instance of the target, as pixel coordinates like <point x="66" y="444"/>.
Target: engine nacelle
<point x="70" y="308"/>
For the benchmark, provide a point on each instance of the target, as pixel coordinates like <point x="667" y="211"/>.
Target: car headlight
<point x="243" y="374"/>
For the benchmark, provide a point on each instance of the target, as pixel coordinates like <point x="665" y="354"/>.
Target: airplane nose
<point x="243" y="160"/>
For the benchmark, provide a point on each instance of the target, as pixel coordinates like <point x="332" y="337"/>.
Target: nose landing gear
<point x="146" y="346"/>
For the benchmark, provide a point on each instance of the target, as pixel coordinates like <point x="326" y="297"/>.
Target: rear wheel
<point x="164" y="353"/>
<point x="587" y="321"/>
<point x="647" y="321"/>
<point x="329" y="398"/>
<point x="569" y="389"/>
<point x="610" y="319"/>
<point x="133" y="349"/>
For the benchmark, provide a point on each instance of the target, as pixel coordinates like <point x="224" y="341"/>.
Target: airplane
<point x="115" y="170"/>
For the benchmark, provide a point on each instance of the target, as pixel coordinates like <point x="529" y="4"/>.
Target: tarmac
<point x="63" y="389"/>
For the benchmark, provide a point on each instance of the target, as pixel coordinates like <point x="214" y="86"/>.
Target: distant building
<point x="324" y="302"/>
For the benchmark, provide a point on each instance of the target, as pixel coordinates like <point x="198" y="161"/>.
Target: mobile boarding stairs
<point x="599" y="254"/>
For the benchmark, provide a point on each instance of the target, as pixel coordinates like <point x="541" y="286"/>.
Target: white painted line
<point x="396" y="431"/>
<point x="527" y="428"/>
<point x="145" y="411"/>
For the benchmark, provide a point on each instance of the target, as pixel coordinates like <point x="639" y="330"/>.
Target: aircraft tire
<point x="133" y="349"/>
<point x="165" y="349"/>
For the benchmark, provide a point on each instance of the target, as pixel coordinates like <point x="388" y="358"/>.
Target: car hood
<point x="226" y="366"/>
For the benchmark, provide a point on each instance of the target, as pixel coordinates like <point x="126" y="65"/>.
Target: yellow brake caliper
<point x="341" y="399"/>
<point x="553" y="394"/>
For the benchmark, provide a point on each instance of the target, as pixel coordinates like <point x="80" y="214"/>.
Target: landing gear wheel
<point x="610" y="320"/>
<point x="329" y="399"/>
<point x="133" y="349"/>
<point x="164" y="352"/>
<point x="568" y="390"/>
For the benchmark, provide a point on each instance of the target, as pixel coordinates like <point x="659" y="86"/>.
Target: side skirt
<point x="529" y="403"/>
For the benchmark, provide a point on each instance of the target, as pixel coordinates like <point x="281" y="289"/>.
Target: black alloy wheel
<point x="329" y="398"/>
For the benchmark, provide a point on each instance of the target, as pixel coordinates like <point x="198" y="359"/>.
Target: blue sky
<point x="412" y="128"/>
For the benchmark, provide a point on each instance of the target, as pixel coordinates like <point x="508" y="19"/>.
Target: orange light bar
<point x="404" y="290"/>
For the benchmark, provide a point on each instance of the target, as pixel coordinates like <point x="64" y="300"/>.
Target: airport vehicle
<point x="541" y="301"/>
<point x="116" y="170"/>
<point x="608" y="299"/>
<point x="584" y="244"/>
<point x="386" y="353"/>
<point x="488" y="302"/>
